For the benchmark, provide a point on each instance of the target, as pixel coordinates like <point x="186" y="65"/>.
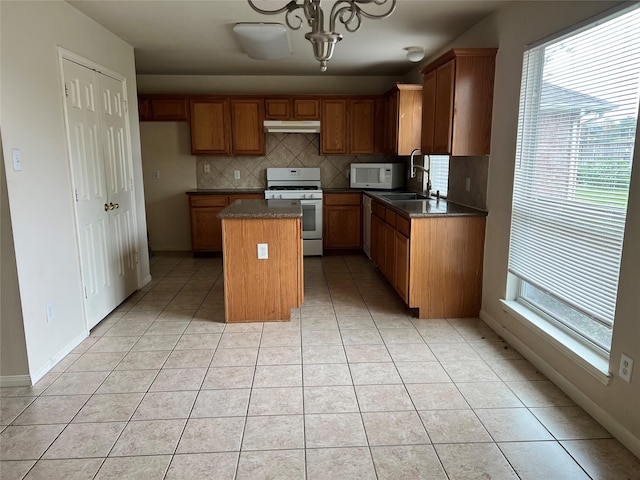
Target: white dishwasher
<point x="366" y="226"/>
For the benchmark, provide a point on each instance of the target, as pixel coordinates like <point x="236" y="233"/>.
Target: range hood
<point x="292" y="126"/>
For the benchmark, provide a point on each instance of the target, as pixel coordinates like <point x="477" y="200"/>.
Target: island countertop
<point x="256" y="208"/>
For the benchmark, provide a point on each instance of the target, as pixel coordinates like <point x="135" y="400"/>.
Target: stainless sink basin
<point x="402" y="196"/>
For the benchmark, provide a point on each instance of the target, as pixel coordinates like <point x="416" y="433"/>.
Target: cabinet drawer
<point x="403" y="225"/>
<point x="342" y="198"/>
<point x="208" y="200"/>
<point x="390" y="217"/>
<point x="378" y="209"/>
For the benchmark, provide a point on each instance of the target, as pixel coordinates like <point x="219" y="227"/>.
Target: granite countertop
<point x="262" y="209"/>
<point x="343" y="190"/>
<point x="432" y="207"/>
<point x="225" y="191"/>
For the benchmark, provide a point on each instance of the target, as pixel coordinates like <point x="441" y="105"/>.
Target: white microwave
<point x="377" y="175"/>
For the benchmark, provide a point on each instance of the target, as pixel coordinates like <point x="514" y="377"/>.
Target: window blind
<point x="576" y="133"/>
<point x="439" y="165"/>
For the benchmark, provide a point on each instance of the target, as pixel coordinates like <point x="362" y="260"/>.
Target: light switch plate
<point x="236" y="174"/>
<point x="263" y="251"/>
<point x="49" y="308"/>
<point x="17" y="161"/>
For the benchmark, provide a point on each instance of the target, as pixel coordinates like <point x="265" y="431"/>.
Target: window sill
<point x="589" y="359"/>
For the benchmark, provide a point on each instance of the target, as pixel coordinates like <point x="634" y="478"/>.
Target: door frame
<point x="64" y="54"/>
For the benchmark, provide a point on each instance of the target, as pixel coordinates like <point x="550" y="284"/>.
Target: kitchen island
<point x="262" y="259"/>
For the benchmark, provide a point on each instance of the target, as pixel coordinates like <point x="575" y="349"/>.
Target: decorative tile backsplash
<point x="476" y="169"/>
<point x="282" y="150"/>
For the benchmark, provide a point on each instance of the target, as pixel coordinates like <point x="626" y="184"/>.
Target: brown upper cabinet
<point x="163" y="108"/>
<point x="247" y="131"/>
<point x="457" y="100"/>
<point x="362" y="126"/>
<point x="223" y="126"/>
<point x="403" y="117"/>
<point x="211" y="126"/>
<point x="292" y="108"/>
<point x="333" y="126"/>
<point x="350" y="125"/>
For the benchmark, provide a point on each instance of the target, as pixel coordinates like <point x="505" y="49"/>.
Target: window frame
<point x="516" y="284"/>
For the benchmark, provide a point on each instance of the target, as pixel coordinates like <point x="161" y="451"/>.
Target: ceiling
<point x="185" y="37"/>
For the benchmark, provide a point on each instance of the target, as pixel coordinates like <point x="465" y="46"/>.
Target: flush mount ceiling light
<point x="347" y="12"/>
<point x="263" y="41"/>
<point x="415" y="54"/>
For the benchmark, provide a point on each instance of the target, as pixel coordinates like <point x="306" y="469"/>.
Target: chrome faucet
<point x="426" y="170"/>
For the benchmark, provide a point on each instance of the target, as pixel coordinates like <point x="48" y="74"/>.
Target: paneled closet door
<point x="100" y="165"/>
<point x="119" y="178"/>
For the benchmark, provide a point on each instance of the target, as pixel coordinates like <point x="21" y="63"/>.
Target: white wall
<point x="166" y="147"/>
<point x="264" y="85"/>
<point x="13" y="348"/>
<point x="615" y="405"/>
<point x="40" y="196"/>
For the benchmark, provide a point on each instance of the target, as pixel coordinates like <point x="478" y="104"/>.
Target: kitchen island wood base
<point x="258" y="290"/>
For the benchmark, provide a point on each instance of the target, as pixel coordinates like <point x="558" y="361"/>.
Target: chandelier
<point x="347" y="12"/>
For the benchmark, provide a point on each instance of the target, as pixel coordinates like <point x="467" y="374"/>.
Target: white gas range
<point x="300" y="184"/>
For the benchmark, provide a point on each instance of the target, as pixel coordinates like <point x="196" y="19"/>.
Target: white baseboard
<point x="622" y="434"/>
<point x="15" y="381"/>
<point x="145" y="281"/>
<point x="53" y="361"/>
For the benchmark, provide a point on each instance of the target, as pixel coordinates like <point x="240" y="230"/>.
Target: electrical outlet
<point x="156" y="174"/>
<point x="49" y="308"/>
<point x="236" y="174"/>
<point x="263" y="251"/>
<point x="626" y="367"/>
<point x="207" y="168"/>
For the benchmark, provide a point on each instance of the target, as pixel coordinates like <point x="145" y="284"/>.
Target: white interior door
<point x="100" y="163"/>
<point x="119" y="186"/>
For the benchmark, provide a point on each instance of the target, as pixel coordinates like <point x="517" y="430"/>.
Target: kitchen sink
<point x="402" y="196"/>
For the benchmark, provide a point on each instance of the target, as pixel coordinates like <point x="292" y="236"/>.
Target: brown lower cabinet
<point x="206" y="228"/>
<point x="342" y="221"/>
<point x="433" y="263"/>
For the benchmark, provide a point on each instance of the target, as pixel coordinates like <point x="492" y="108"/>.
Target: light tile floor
<point x="352" y="388"/>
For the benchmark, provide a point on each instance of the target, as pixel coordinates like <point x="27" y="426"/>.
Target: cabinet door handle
<point x="106" y="207"/>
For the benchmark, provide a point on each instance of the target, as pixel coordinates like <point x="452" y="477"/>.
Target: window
<point x="439" y="174"/>
<point x="576" y="134"/>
